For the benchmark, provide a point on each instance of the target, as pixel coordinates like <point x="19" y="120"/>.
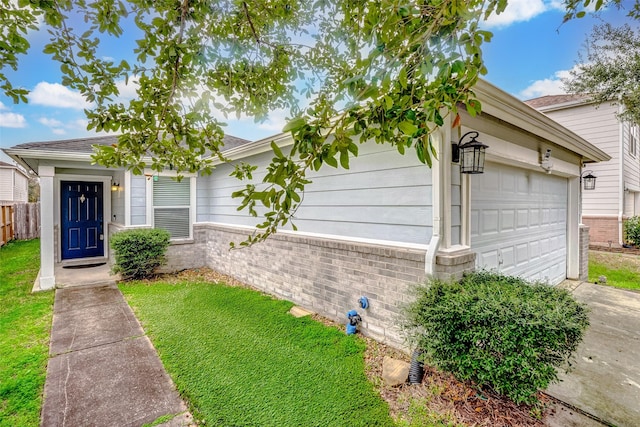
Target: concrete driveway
<point x="605" y="381"/>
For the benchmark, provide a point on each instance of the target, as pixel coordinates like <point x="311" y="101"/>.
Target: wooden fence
<point x="19" y="221"/>
<point x="6" y="223"/>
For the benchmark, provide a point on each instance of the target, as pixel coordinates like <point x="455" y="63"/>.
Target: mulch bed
<point x="606" y="248"/>
<point x="445" y="394"/>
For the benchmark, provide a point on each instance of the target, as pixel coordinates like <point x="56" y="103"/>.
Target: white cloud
<point x="275" y="122"/>
<point x="549" y="86"/>
<point x="12" y="120"/>
<point x="2" y="106"/>
<point x="522" y="11"/>
<point x="58" y="131"/>
<point x="79" y="124"/>
<point x="56" y="95"/>
<point x="52" y="123"/>
<point x="127" y="90"/>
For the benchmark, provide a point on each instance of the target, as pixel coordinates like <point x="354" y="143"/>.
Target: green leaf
<point x="388" y="101"/>
<point x="331" y="161"/>
<point x="402" y="78"/>
<point x="294" y="124"/>
<point x="407" y="127"/>
<point x="344" y="159"/>
<point x="353" y="148"/>
<point x="276" y="150"/>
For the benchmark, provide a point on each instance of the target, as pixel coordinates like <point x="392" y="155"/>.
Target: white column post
<point x="47" y="249"/>
<point x="573" y="228"/>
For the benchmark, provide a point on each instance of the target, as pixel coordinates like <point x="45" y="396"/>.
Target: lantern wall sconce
<point x="115" y="186"/>
<point x="469" y="154"/>
<point x="588" y="180"/>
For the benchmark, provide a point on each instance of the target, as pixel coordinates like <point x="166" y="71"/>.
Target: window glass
<point x="171" y="206"/>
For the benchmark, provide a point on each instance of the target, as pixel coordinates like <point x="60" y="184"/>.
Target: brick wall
<point x="583" y="272"/>
<point x="327" y="276"/>
<point x="324" y="275"/>
<point x="602" y="229"/>
<point x="451" y="267"/>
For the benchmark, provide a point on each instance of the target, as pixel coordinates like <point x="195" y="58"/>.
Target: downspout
<point x="621" y="178"/>
<point x="434" y="243"/>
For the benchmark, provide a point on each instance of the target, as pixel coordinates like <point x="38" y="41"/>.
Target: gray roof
<point x="548" y="100"/>
<point x="84" y="145"/>
<point x="6" y="165"/>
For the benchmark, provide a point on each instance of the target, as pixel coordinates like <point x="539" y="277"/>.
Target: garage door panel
<point x="518" y="222"/>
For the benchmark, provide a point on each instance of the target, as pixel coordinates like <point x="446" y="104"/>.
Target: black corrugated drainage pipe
<point x="416" y="369"/>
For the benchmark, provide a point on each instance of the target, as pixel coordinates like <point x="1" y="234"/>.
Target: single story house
<point x="616" y="195"/>
<point x="373" y="230"/>
<point x="14" y="184"/>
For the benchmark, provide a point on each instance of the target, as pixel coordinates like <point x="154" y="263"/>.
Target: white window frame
<point x="192" y="200"/>
<point x="633" y="139"/>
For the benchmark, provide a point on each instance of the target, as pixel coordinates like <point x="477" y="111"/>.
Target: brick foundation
<point x="602" y="229"/>
<point x="451" y="267"/>
<point x="583" y="269"/>
<point x="324" y="275"/>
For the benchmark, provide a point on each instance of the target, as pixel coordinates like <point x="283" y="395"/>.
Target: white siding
<point x="138" y="200"/>
<point x="14" y="186"/>
<point x="6" y="184"/>
<point x="630" y="198"/>
<point x="203" y="205"/>
<point x="456" y="205"/>
<point x="631" y="162"/>
<point x="21" y="187"/>
<point x="600" y="127"/>
<point x="117" y="199"/>
<point x="383" y="196"/>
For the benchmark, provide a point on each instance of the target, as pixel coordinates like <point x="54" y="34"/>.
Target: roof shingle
<point x="548" y="100"/>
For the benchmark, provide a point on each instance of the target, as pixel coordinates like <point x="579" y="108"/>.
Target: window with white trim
<point x="633" y="139"/>
<point x="172" y="206"/>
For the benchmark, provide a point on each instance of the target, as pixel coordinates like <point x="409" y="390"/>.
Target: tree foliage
<point x="348" y="71"/>
<point x="610" y="69"/>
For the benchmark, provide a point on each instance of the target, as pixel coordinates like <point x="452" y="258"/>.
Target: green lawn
<point x="621" y="270"/>
<point x="240" y="359"/>
<point x="25" y="322"/>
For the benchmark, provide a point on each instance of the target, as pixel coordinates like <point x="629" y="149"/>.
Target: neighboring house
<point x="372" y="230"/>
<point x="14" y="184"/>
<point x="617" y="192"/>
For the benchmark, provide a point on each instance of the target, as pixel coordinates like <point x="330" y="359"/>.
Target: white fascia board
<point x="256" y="147"/>
<point x="48" y="155"/>
<point x="503" y="106"/>
<point x="19" y="154"/>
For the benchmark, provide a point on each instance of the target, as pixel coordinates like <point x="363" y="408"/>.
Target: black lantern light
<point x="589" y="180"/>
<point x="469" y="154"/>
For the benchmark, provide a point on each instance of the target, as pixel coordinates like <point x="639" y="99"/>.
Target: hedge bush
<point x="139" y="252"/>
<point x="632" y="230"/>
<point x="497" y="331"/>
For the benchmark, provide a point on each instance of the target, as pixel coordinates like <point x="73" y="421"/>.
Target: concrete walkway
<point x="605" y="381"/>
<point x="103" y="370"/>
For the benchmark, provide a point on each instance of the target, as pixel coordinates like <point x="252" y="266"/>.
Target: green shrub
<point x="497" y="331"/>
<point x="632" y="230"/>
<point x="139" y="252"/>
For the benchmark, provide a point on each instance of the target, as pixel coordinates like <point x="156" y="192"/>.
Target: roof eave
<point x="500" y="104"/>
<point x="20" y="154"/>
<point x="256" y="147"/>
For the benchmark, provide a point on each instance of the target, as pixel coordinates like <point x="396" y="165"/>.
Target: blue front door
<point x="81" y="219"/>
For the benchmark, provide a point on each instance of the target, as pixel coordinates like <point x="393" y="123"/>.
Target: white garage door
<point x="519" y="223"/>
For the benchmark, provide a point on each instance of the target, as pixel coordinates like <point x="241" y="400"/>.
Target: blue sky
<point x="530" y="51"/>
